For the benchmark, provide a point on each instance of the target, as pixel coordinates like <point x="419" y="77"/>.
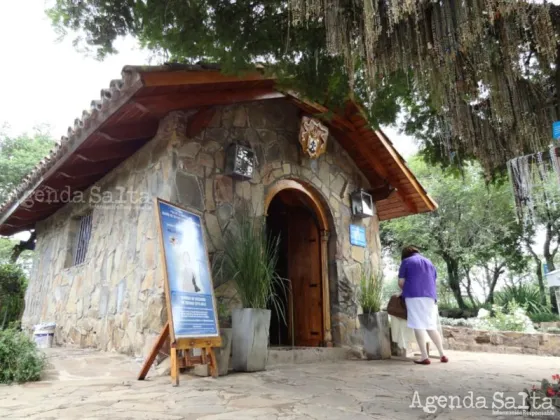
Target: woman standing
<point x="417" y="279"/>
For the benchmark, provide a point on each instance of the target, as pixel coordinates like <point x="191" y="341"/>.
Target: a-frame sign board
<point x="189" y="292"/>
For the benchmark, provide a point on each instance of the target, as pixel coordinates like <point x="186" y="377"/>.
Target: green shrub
<point x="510" y="318"/>
<point x="456" y="313"/>
<point x="13" y="283"/>
<point x="544" y="317"/>
<point x="526" y="295"/>
<point x="371" y="290"/>
<point x="20" y="360"/>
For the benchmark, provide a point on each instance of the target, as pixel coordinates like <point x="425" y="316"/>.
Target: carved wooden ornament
<point x="313" y="137"/>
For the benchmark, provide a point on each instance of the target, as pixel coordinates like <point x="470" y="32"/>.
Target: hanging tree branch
<point x="462" y="53"/>
<point x="22" y="246"/>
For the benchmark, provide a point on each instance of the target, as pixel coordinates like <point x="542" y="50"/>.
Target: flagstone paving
<point x="85" y="384"/>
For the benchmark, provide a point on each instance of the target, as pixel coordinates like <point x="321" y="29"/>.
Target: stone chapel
<point x="175" y="132"/>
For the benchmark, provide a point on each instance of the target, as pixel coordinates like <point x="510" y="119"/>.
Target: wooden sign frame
<point x="182" y="347"/>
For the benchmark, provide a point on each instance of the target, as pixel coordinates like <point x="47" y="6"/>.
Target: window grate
<point x="84" y="234"/>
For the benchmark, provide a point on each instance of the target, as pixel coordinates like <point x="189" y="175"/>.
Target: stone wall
<point x="115" y="299"/>
<point x="468" y="339"/>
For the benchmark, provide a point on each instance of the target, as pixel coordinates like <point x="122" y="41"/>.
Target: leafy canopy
<point x="13" y="283"/>
<point x="18" y="156"/>
<point x="475" y="225"/>
<point x="484" y="71"/>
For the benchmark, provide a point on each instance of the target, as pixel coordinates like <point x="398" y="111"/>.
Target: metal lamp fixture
<point x="240" y="161"/>
<point x="362" y="203"/>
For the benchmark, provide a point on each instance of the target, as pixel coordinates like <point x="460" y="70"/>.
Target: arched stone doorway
<point x="296" y="214"/>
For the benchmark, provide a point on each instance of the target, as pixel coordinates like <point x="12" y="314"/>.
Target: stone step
<point x="278" y="356"/>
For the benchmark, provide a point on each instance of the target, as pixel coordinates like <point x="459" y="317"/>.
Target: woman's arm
<point x="401" y="283"/>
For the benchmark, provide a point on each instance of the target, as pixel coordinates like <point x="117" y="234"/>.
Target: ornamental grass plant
<point x="370" y="294"/>
<point x="249" y="260"/>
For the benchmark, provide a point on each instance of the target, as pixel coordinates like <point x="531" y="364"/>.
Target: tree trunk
<point x="496" y="273"/>
<point x="557" y="75"/>
<point x="555" y="16"/>
<point x="538" y="271"/>
<point x="469" y="287"/>
<point x="549" y="258"/>
<point x="540" y="277"/>
<point x="455" y="281"/>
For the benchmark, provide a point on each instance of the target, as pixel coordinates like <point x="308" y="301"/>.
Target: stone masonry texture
<point x="468" y="339"/>
<point x="115" y="299"/>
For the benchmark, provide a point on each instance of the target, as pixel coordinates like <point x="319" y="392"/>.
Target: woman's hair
<point x="408" y="251"/>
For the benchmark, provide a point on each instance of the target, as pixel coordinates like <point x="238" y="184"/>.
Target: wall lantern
<point x="240" y="161"/>
<point x="362" y="203"/>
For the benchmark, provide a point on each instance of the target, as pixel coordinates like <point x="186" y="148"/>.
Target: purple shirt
<point x="419" y="276"/>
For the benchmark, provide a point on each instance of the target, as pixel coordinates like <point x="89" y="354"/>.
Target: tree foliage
<point x="484" y="72"/>
<point x="474" y="226"/>
<point x="18" y="155"/>
<point x="13" y="283"/>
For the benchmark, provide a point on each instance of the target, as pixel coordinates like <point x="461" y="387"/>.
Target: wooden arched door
<point x="304" y="273"/>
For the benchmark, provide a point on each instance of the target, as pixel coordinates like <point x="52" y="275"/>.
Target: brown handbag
<point x="397" y="307"/>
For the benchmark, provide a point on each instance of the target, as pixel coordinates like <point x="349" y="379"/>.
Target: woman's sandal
<point x="444" y="359"/>
<point x="422" y="362"/>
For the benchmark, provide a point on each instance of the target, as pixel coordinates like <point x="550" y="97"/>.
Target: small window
<point x="82" y="239"/>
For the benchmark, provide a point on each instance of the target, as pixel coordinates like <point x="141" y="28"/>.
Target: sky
<point x="48" y="82"/>
<point x="45" y="81"/>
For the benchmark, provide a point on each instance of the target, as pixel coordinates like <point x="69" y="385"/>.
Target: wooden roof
<point x="127" y="116"/>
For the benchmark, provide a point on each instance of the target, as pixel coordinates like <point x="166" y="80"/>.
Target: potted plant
<point x="223" y="354"/>
<point x="249" y="261"/>
<point x="374" y="324"/>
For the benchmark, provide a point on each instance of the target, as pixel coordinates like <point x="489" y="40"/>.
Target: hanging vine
<point x="482" y="62"/>
<point x="535" y="180"/>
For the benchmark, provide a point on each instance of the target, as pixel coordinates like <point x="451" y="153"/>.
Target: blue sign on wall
<point x="358" y="236"/>
<point x="188" y="273"/>
<point x="556" y="130"/>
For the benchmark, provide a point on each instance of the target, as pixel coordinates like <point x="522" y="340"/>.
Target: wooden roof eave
<point x="155" y="90"/>
<point x="430" y="203"/>
<point x="92" y="127"/>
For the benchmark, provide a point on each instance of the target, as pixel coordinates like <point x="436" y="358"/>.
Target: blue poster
<point x="556" y="130"/>
<point x="188" y="273"/>
<point x="358" y="236"/>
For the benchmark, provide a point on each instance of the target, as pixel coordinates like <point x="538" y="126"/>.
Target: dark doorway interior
<point x="277" y="226"/>
<point x="290" y="219"/>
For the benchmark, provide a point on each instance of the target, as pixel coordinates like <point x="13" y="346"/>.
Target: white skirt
<point x="422" y="313"/>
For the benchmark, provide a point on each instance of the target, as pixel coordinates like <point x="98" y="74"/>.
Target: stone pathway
<point x="84" y="384"/>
